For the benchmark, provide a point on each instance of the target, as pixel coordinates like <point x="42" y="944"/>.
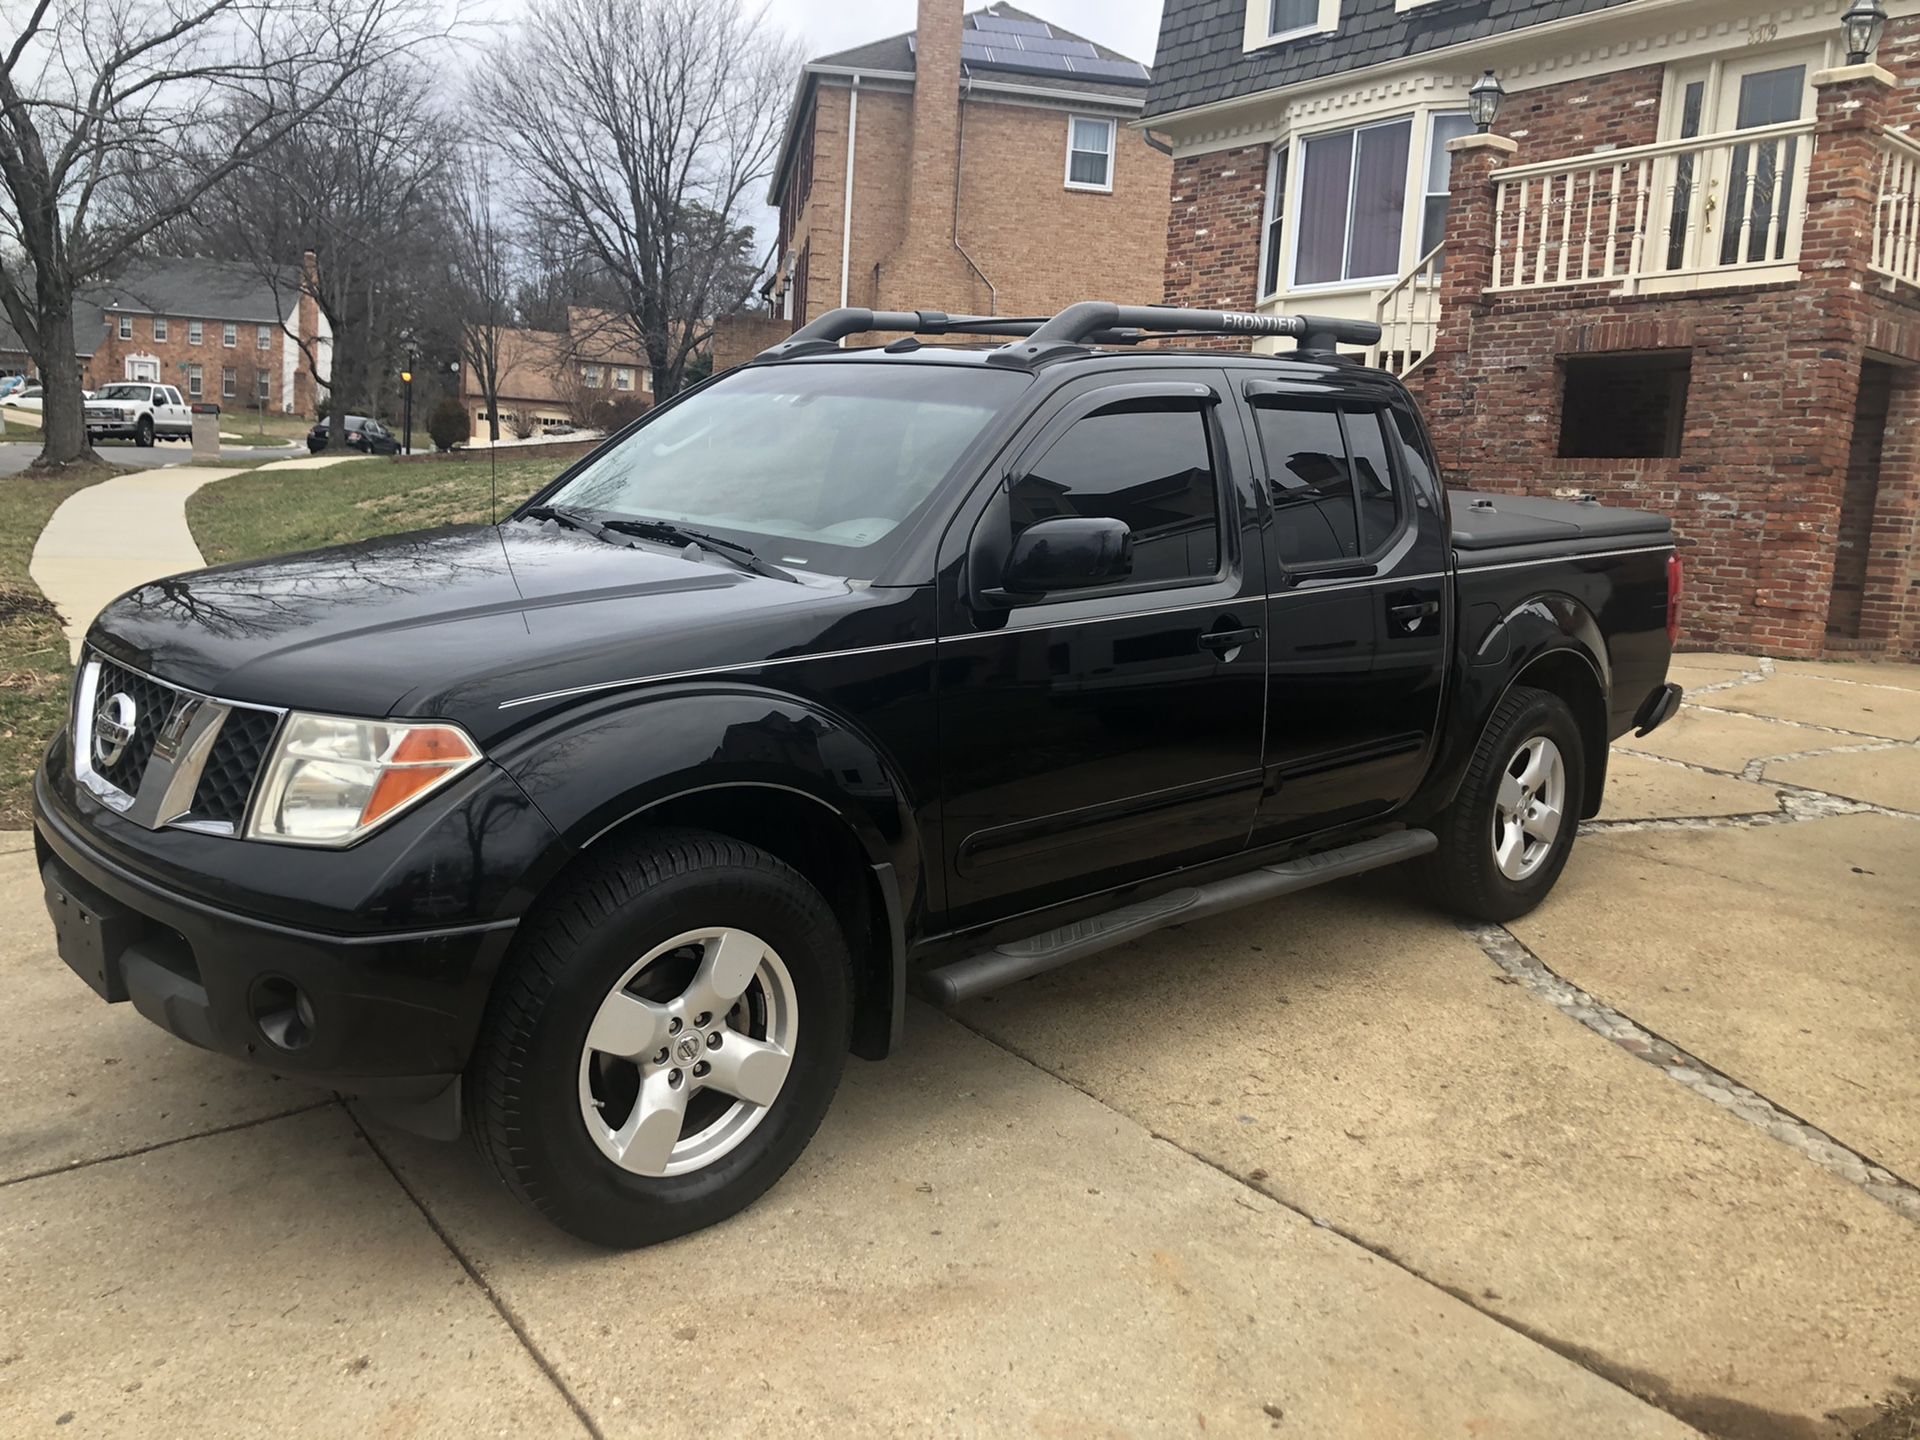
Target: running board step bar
<point x="1018" y="959"/>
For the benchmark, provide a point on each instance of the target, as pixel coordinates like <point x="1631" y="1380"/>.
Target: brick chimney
<point x="936" y="122"/>
<point x="927" y="271"/>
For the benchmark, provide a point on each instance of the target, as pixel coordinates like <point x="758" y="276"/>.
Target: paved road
<point x="16" y="455"/>
<point x="1327" y="1167"/>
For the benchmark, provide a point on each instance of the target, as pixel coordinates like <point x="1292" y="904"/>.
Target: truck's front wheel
<point x="665" y="1040"/>
<point x="1507" y="835"/>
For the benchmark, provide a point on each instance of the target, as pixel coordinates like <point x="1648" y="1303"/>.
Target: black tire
<point x="1464" y="875"/>
<point x="143" y="432"/>
<point x="522" y="1087"/>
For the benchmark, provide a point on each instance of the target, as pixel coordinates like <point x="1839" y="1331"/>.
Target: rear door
<point x="173" y="417"/>
<point x="1097" y="736"/>
<point x="1358" y="616"/>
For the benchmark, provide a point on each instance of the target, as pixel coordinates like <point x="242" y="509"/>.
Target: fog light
<point x="283" y="1013"/>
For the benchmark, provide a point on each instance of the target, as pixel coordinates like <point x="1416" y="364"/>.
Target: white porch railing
<point x="1721" y="209"/>
<point x="1896" y="233"/>
<point x="1409" y="316"/>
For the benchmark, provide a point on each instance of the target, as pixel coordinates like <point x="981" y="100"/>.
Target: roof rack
<point x="1074" y="329"/>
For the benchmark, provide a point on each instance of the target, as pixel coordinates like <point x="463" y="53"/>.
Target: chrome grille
<point x="233" y="764"/>
<point x="191" y="760"/>
<point x="153" y="702"/>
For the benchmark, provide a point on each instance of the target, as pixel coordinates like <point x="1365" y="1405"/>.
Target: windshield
<point x="808" y="464"/>
<point x="123" y="392"/>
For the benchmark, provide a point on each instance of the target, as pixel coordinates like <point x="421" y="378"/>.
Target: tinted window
<point x="1311" y="484"/>
<point x="1372" y="478"/>
<point x="1332" y="486"/>
<point x="1147" y="464"/>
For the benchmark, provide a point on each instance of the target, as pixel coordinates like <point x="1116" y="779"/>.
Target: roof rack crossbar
<point x="1091" y="322"/>
<point x="836" y="325"/>
<point x="1079" y="325"/>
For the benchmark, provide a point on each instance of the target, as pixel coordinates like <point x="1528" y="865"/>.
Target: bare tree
<point x="482" y="271"/>
<point x="93" y="92"/>
<point x="639" y="128"/>
<point x="347" y="210"/>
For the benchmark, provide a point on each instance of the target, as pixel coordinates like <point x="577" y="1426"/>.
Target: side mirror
<point x="1069" y="553"/>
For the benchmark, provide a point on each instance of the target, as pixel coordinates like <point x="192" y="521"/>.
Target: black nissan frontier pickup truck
<point x="606" y="832"/>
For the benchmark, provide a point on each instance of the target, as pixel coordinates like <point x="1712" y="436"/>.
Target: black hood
<point x="452" y="621"/>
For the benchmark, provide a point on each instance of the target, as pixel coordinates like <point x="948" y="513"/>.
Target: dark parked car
<point x="369" y="437"/>
<point x="610" y="829"/>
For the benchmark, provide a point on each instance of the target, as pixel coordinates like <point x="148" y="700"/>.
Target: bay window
<point x="1352" y="203"/>
<point x="1271" y="252"/>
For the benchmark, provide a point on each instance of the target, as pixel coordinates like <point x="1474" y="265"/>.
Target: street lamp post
<point x="406" y="405"/>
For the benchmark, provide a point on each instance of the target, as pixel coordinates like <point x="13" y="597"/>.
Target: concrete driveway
<point x="1330" y="1167"/>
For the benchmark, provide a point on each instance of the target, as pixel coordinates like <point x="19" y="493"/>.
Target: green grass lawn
<point x="34" y="673"/>
<point x="275" y="512"/>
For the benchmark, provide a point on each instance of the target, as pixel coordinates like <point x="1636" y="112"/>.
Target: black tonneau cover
<point x="1483" y="523"/>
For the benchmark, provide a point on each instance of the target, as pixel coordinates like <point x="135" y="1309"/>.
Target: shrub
<point x="447" y="425"/>
<point x="521" y="424"/>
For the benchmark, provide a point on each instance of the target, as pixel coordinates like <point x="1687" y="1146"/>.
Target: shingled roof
<point x="1200" y="60"/>
<point x="195" y="289"/>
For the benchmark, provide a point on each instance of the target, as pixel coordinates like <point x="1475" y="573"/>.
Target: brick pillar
<point x="1793" y="571"/>
<point x="1890" y="601"/>
<point x="1464" y="277"/>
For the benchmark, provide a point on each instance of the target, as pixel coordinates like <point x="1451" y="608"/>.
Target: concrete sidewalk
<point x="1636" y="1165"/>
<point x="112" y="537"/>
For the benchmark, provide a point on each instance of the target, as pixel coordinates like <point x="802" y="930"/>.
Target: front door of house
<point x="1738" y="202"/>
<point x="143" y="369"/>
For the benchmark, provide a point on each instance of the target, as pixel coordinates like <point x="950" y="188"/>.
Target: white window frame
<point x="1421" y="193"/>
<point x="1278" y="150"/>
<point x="125" y="328"/>
<point x="622" y="378"/>
<point x="196" y="382"/>
<point x="159" y="328"/>
<point x="1259" y="31"/>
<point x="229" y="335"/>
<point x="1415" y="177"/>
<point x="590" y="376"/>
<point x="229" y="382"/>
<point x="196" y="333"/>
<point x="1113" y="140"/>
<point x="263" y="337"/>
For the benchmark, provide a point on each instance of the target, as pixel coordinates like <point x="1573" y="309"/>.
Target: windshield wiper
<point x="674" y="534"/>
<point x="572" y="519"/>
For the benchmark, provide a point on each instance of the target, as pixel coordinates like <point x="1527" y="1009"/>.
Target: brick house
<point x="218" y="332"/>
<point x="1679" y="273"/>
<point x="594" y="373"/>
<point x="986" y="163"/>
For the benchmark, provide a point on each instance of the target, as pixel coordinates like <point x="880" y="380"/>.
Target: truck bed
<point x="1497" y="529"/>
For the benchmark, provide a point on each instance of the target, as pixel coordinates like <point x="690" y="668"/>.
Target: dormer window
<point x="1269" y="22"/>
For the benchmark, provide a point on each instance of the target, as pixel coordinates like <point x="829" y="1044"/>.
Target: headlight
<point x="330" y="781"/>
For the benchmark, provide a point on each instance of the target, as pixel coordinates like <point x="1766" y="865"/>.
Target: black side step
<point x="1017" y="959"/>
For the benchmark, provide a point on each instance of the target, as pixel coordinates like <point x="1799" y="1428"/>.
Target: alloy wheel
<point x="1529" y="808"/>
<point x="688" y="1052"/>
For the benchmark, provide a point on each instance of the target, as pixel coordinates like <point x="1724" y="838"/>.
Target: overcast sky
<point x="1129" y="26"/>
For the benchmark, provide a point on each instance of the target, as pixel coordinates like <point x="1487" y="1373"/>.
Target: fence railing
<point x="1409" y="316"/>
<point x="1896" y="232"/>
<point x="1677" y="215"/>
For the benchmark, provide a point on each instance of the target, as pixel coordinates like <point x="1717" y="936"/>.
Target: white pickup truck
<point x="140" y="411"/>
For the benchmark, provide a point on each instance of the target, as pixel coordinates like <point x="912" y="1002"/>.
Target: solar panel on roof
<point x="1011" y="27"/>
<point x="1054" y="45"/>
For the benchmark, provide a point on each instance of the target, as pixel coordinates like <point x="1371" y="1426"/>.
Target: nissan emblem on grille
<point x="113" y="728"/>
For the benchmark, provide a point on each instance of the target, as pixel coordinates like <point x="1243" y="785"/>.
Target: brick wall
<point x="1571" y="118"/>
<point x="738" y="338"/>
<point x="109" y="361"/>
<point x="1214" y="214"/>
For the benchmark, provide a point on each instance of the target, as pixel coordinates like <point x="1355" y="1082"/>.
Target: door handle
<point x="1221" y="641"/>
<point x="1414" y="614"/>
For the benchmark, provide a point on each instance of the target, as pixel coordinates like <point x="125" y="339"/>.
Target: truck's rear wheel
<point x="665" y="1040"/>
<point x="1506" y="837"/>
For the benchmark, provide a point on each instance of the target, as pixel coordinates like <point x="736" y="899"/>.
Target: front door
<point x="1093" y="737"/>
<point x="143" y="369"/>
<point x="1740" y="203"/>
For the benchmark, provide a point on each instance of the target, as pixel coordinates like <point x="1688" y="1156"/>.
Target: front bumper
<point x="389" y="1013"/>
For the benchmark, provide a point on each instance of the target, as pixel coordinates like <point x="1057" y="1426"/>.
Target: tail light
<point x="1676" y="586"/>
